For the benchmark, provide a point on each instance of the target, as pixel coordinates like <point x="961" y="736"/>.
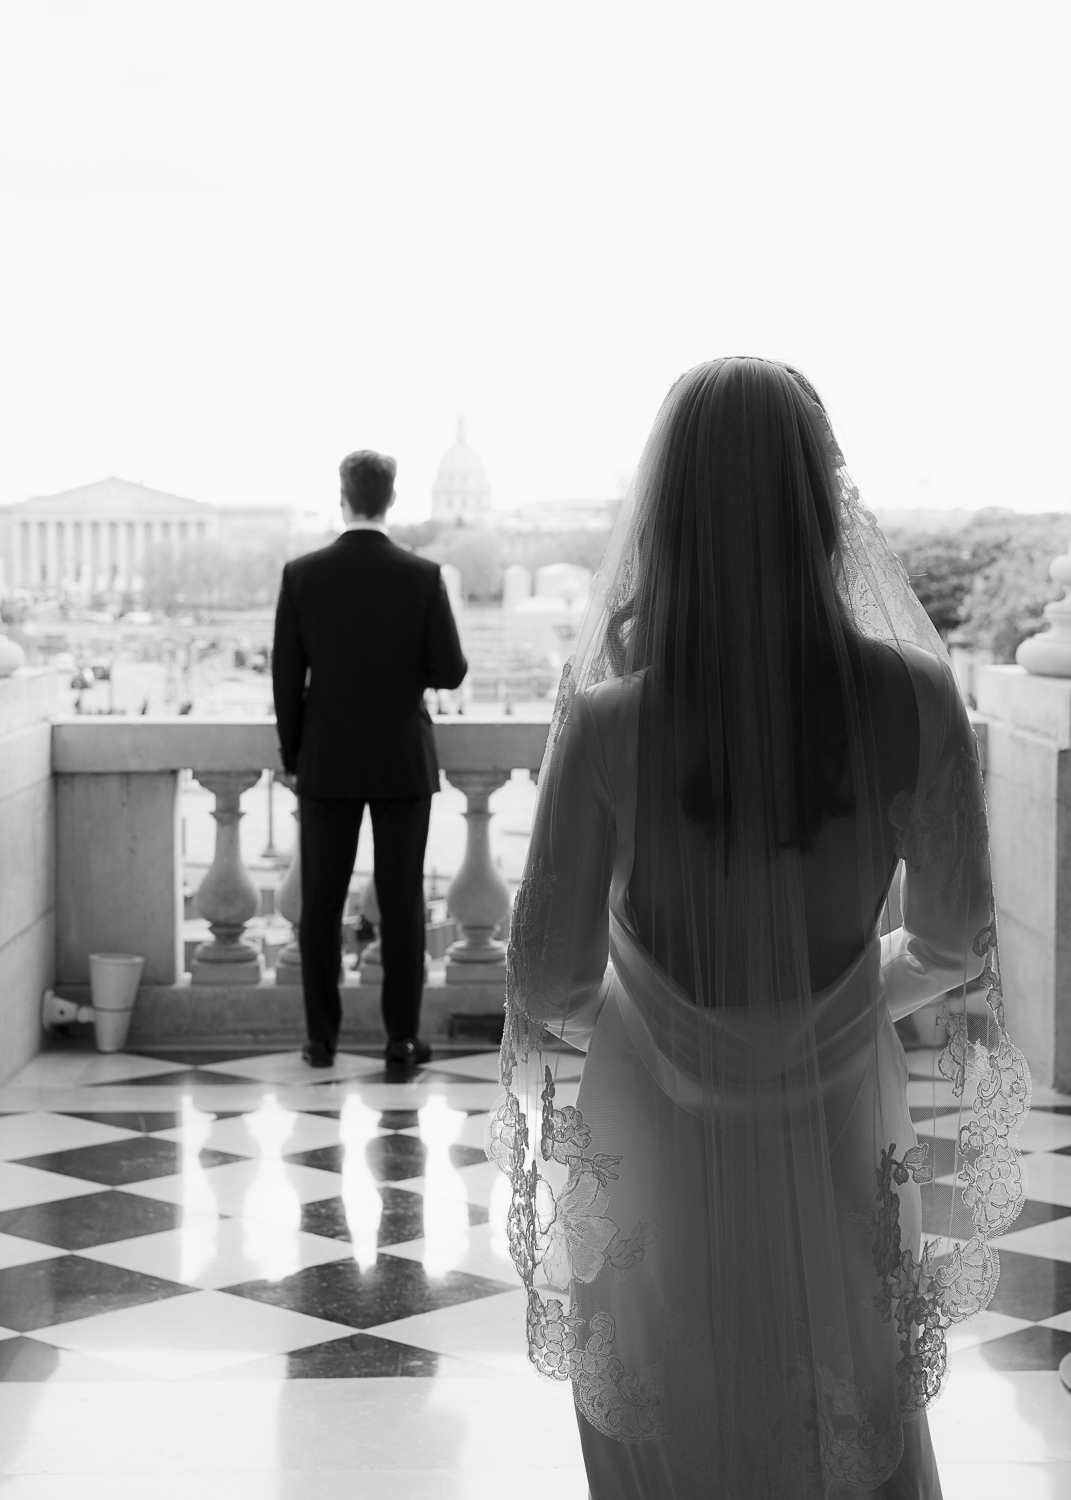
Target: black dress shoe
<point x="408" y="1054"/>
<point x="318" y="1055"/>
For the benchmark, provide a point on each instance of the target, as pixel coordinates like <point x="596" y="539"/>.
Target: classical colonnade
<point x="94" y="553"/>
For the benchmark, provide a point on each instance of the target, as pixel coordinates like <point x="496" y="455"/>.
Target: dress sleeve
<point x="943" y="841"/>
<point x="559" y="932"/>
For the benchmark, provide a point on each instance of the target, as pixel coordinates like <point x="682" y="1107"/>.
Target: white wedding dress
<point x="638" y="1248"/>
<point x="721" y="1240"/>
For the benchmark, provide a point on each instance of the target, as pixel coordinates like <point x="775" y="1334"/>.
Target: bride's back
<point x="682" y="881"/>
<point x="774" y="730"/>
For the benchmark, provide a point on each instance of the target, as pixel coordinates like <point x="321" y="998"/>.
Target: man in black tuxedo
<point x="362" y="627"/>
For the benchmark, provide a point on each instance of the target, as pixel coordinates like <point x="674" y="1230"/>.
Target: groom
<point x="362" y="627"/>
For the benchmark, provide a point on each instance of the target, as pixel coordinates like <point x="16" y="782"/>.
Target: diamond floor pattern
<point x="236" y="1240"/>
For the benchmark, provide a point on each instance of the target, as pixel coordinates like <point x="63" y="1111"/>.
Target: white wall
<point x="27" y="861"/>
<point x="1028" y="791"/>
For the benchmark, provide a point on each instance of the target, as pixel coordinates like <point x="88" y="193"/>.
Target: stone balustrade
<point x="115" y="789"/>
<point x="119" y="876"/>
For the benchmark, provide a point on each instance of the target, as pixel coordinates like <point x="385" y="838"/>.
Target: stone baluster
<point x="269" y="851"/>
<point x="288" y="905"/>
<point x="370" y="967"/>
<point x="227" y="897"/>
<point x="478" y="897"/>
<point x="371" y="964"/>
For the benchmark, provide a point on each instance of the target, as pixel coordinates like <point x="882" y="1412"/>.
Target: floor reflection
<point x="199" y="1221"/>
<point x="305" y="1292"/>
<point x="358" y="1127"/>
<point x="271" y="1245"/>
<point x="446" y="1219"/>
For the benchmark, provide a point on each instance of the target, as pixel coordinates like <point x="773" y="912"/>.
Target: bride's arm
<point x="946" y="892"/>
<point x="559" y="933"/>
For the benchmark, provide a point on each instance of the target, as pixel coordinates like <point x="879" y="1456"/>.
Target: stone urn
<point x="1048" y="654"/>
<point x="11" y="656"/>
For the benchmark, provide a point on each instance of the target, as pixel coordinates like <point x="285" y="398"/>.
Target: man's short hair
<point x="367" y="481"/>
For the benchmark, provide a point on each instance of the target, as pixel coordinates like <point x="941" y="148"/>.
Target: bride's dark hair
<point x="734" y="605"/>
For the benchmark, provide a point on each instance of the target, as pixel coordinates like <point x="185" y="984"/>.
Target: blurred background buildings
<point x="169" y="601"/>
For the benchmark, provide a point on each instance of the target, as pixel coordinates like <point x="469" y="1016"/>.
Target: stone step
<point x="272" y="1015"/>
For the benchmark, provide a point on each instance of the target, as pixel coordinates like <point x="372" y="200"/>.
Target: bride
<point x="758" y="738"/>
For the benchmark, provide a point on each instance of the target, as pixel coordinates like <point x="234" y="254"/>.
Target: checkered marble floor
<point x="236" y="1273"/>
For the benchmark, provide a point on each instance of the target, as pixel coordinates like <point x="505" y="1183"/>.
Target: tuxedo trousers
<point x="329" y="833"/>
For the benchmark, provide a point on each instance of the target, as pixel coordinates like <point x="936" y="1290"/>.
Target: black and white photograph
<point x="535" y="750"/>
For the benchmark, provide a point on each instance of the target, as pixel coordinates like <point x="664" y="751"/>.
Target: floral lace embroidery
<point x="927" y="1297"/>
<point x="529" y="935"/>
<point x="992" y="1182"/>
<point x="616" y="1401"/>
<point x="577" y="1240"/>
<point x="854" y="1452"/>
<point x="920" y="1318"/>
<point x="563" y="702"/>
<point x="867" y="585"/>
<point x="568" y="1235"/>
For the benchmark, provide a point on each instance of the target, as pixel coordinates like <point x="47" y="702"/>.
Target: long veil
<point x="720" y="1234"/>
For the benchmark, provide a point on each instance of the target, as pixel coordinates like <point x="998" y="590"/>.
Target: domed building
<point x="461" y="492"/>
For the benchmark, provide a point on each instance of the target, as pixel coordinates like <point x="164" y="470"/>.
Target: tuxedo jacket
<point x="362" y="627"/>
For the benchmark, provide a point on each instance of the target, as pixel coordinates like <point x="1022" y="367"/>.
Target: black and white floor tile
<point x="273" y="1282"/>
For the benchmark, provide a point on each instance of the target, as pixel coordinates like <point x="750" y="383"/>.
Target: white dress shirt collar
<point x="363" y="524"/>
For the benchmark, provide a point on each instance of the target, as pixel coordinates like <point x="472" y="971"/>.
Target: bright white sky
<point x="244" y="237"/>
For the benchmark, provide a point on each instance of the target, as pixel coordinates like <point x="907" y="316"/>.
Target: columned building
<point x="96" y="538"/>
<point x="460" y="492"/>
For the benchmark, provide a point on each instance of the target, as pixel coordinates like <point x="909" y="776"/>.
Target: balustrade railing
<point x="118" y="787"/>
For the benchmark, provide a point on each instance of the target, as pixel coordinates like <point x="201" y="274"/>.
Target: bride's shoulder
<point x="930" y="675"/>
<point x="901" y="674"/>
<point x="607" y="699"/>
<point x="608" y="709"/>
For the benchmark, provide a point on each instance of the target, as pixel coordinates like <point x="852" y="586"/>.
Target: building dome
<point x="461" y="491"/>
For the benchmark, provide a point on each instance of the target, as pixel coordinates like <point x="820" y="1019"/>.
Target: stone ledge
<point x="271" y="1015"/>
<point x="1039" y="705"/>
<point x="28" y="696"/>
<point x="96" y="745"/>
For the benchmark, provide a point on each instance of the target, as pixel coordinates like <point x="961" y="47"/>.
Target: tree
<point x="419" y="535"/>
<point x="584" y="549"/>
<point x="987" y="580"/>
<point x="479" y="556"/>
<point x="1009" y="594"/>
<point x="192" y="578"/>
<point x="942" y="569"/>
<point x="216" y="575"/>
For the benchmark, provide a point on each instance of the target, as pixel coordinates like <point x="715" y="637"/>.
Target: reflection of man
<point x="362" y="628"/>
